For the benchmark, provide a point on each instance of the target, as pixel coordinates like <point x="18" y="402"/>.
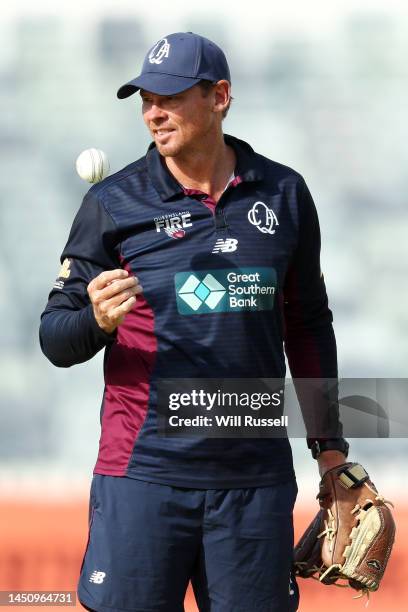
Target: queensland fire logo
<point x="174" y="232"/>
<point x="263" y="218"/>
<point x="174" y="224"/>
<point x="159" y="52"/>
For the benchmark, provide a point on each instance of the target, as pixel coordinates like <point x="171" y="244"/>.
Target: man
<point x="145" y="272"/>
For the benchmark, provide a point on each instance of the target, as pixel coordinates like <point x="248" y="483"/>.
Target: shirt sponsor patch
<point x="211" y="291"/>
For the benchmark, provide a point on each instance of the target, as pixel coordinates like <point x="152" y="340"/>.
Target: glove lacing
<point x="330" y="531"/>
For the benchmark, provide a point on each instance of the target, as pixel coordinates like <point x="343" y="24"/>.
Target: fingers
<point x="107" y="284"/>
<point x="114" y="316"/>
<point x="113" y="294"/>
<point x="123" y="308"/>
<point x="106" y="304"/>
<point x="100" y="281"/>
<point x="118" y="286"/>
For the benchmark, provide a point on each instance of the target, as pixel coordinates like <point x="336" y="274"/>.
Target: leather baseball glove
<point x="351" y="536"/>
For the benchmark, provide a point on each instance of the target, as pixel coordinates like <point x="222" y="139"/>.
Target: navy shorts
<point x="146" y="541"/>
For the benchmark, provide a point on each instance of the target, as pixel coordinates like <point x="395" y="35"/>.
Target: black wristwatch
<point x="318" y="446"/>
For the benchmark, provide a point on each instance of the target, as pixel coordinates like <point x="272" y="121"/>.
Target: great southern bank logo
<point x="195" y="292"/>
<point x="210" y="291"/>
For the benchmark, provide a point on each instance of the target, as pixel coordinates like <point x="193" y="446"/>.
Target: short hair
<point x="206" y="87"/>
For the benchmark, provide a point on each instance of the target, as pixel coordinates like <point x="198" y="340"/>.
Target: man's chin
<point x="167" y="150"/>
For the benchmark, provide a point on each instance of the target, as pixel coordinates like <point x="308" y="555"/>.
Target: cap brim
<point x="161" y="84"/>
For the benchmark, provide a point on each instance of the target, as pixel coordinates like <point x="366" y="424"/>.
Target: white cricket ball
<point x="92" y="165"/>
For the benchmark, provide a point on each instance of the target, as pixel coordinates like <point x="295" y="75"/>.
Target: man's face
<point x="179" y="123"/>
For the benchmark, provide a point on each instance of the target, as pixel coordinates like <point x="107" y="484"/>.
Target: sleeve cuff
<point x="98" y="331"/>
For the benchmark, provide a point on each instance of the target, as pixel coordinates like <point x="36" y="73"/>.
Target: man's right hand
<point x="113" y="295"/>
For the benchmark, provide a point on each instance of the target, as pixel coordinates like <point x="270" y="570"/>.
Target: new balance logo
<point x="97" y="577"/>
<point x="225" y="246"/>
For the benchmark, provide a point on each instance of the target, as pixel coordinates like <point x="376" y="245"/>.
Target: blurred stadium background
<point x="320" y="86"/>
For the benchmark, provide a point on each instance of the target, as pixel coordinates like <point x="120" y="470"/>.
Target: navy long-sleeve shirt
<point x="226" y="288"/>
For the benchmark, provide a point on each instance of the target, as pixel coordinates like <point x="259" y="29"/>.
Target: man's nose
<point x="155" y="112"/>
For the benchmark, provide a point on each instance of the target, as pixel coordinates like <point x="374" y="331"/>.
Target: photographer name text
<point x="227" y="421"/>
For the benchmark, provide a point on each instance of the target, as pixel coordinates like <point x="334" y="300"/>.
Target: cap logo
<point x="159" y="52"/>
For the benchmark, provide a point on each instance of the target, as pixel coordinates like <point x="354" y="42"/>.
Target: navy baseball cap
<point x="176" y="63"/>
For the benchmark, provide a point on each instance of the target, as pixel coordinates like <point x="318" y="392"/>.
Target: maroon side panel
<point x="127" y="383"/>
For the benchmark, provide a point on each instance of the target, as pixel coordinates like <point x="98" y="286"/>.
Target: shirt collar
<point x="248" y="168"/>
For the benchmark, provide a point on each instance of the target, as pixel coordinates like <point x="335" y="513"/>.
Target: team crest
<point x="159" y="52"/>
<point x="263" y="218"/>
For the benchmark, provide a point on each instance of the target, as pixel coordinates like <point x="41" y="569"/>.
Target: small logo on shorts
<point x="97" y="577"/>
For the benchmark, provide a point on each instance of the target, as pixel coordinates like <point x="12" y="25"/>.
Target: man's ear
<point x="222" y="94"/>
